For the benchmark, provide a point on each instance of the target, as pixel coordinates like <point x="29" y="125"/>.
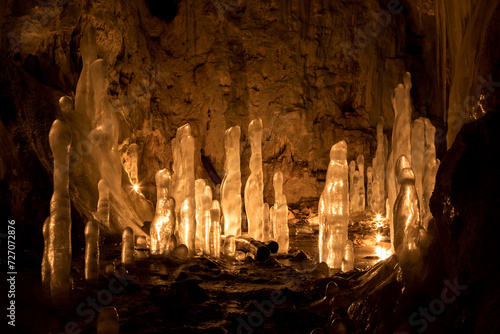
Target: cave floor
<point x="202" y="295"/>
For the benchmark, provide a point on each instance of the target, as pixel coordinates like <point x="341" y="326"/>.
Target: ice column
<point x="231" y="185"/>
<point x="369" y="188"/>
<point x="254" y="196"/>
<point x="59" y="253"/>
<point x="199" y="188"/>
<point x="215" y="229"/>
<point x="361" y="185"/>
<point x="187" y="221"/>
<point x="207" y="219"/>
<point x="92" y="252"/>
<point x="103" y="203"/>
<point x="401" y="141"/>
<point x="108" y="321"/>
<point x="45" y="259"/>
<point x="348" y="260"/>
<point x="133" y="173"/>
<point x="333" y="208"/>
<point x="268" y="228"/>
<point x="406" y="215"/>
<point x="163" y="225"/>
<point x="352" y="188"/>
<point x="128" y="246"/>
<point x="178" y="186"/>
<point x="282" y="235"/>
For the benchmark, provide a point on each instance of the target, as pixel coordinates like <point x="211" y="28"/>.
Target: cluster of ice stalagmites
<point x="163" y="224"/>
<point x="59" y="245"/>
<point x="184" y="187"/>
<point x="333" y="208"/>
<point x="280" y="227"/>
<point x="231" y="185"/>
<point x="254" y="195"/>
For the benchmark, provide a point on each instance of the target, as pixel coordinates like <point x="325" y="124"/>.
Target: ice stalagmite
<point x="361" y="185"/>
<point x="59" y="253"/>
<point x="348" y="260"/>
<point x="268" y="228"/>
<point x="133" y="173"/>
<point x="254" y="196"/>
<point x="282" y="233"/>
<point x="231" y="185"/>
<point x="378" y="202"/>
<point x="369" y="188"/>
<point x="207" y="219"/>
<point x="230" y="246"/>
<point x="278" y="196"/>
<point x="333" y="208"/>
<point x="406" y="216"/>
<point x="187" y="219"/>
<point x="417" y="153"/>
<point x="128" y="246"/>
<point x="92" y="252"/>
<point x="45" y="258"/>
<point x="103" y="203"/>
<point x="108" y="321"/>
<point x="163" y="224"/>
<point x="401" y="140"/>
<point x="272" y="222"/>
<point x="355" y="199"/>
<point x="199" y="188"/>
<point x="352" y="188"/>
<point x="429" y="182"/>
<point x="215" y="229"/>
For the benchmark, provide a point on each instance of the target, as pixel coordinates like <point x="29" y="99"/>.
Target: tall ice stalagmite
<point x="254" y="195"/>
<point x="231" y="185"/>
<point x="215" y="229"/>
<point x="60" y="251"/>
<point x="333" y="208"/>
<point x="199" y="188"/>
<point x="92" y="252"/>
<point x="207" y="219"/>
<point x="163" y="224"/>
<point x="187" y="219"/>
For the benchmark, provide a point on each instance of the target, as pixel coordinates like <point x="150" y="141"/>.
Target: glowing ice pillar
<point x="378" y="193"/>
<point x="59" y="253"/>
<point x="231" y="185"/>
<point x="215" y="229"/>
<point x="207" y="219"/>
<point x="103" y="203"/>
<point x="128" y="246"/>
<point x="333" y="208"/>
<point x="163" y="225"/>
<point x="254" y="196"/>
<point x="133" y="173"/>
<point x="92" y="252"/>
<point x="361" y="185"/>
<point x="199" y="188"/>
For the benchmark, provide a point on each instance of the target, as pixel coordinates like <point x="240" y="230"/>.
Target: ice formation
<point x="231" y="185"/>
<point x="406" y="212"/>
<point x="215" y="229"/>
<point x="348" y="260"/>
<point x="199" y="188"/>
<point x="355" y="199"/>
<point x="207" y="219"/>
<point x="59" y="251"/>
<point x="163" y="224"/>
<point x="369" y="187"/>
<point x="128" y="246"/>
<point x="268" y="228"/>
<point x="230" y="246"/>
<point x="378" y="193"/>
<point x="92" y="252"/>
<point x="108" y="321"/>
<point x="133" y="172"/>
<point x="280" y="228"/>
<point x="103" y="203"/>
<point x="429" y="182"/>
<point x="187" y="219"/>
<point x="333" y="208"/>
<point x="352" y="188"/>
<point x="45" y="258"/>
<point x="254" y="196"/>
<point x="361" y="185"/>
<point x="401" y="140"/>
<point x="272" y="222"/>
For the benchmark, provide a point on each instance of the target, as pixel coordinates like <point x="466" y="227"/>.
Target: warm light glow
<point x="379" y="237"/>
<point x="382" y="253"/>
<point x="136" y="188"/>
<point x="379" y="216"/>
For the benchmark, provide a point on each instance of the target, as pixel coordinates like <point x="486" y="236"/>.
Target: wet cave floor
<point x="205" y="295"/>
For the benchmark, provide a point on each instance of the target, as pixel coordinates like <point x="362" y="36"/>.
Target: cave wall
<point x="214" y="64"/>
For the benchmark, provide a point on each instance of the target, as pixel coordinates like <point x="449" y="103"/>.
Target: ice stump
<point x="254" y="196"/>
<point x="231" y="184"/>
<point x="59" y="252"/>
<point x="163" y="224"/>
<point x="215" y="229"/>
<point x="103" y="203"/>
<point x="128" y="243"/>
<point x="333" y="208"/>
<point x="108" y="321"/>
<point x="92" y="252"/>
<point x="230" y="246"/>
<point x="348" y="260"/>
